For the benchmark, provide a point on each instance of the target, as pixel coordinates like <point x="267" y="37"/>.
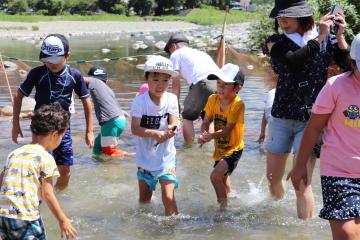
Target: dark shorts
<point x="64" y="153"/>
<point x="197" y="97"/>
<point x="341" y="198"/>
<point x="11" y="229"/>
<point x="232" y="161"/>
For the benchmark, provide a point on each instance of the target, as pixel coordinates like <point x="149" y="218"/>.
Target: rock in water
<point x="28" y="104"/>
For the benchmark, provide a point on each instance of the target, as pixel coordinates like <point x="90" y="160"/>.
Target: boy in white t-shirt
<point x="269" y="99"/>
<point x="155" y="116"/>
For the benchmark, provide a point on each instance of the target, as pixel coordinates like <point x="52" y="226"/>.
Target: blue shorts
<point x="152" y="177"/>
<point x="341" y="198"/>
<point x="11" y="229"/>
<point x="282" y="134"/>
<point x="63" y="154"/>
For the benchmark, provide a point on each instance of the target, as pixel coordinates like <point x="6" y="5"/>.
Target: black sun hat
<point x="175" y="38"/>
<point x="291" y="8"/>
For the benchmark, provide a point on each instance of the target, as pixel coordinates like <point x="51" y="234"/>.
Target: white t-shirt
<point x="193" y="65"/>
<point x="269" y="100"/>
<point x="156" y="117"/>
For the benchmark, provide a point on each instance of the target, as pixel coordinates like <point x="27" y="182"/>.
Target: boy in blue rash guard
<point x="54" y="82"/>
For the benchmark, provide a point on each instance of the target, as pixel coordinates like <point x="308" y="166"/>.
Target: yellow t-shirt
<point x="234" y="113"/>
<point x="21" y="187"/>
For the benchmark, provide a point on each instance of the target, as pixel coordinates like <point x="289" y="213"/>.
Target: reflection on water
<point x="102" y="197"/>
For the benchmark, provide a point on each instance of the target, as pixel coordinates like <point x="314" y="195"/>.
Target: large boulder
<point x="28" y="105"/>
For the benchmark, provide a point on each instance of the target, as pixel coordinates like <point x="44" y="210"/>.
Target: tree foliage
<point x="18" y="7"/>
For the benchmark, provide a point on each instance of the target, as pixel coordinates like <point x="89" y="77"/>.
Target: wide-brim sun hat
<point x="291" y="8"/>
<point x="229" y="73"/>
<point x="355" y="50"/>
<point x="160" y="64"/>
<point x="54" y="48"/>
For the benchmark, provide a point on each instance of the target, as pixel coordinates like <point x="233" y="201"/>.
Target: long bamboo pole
<point x="7" y="79"/>
<point x="220" y="59"/>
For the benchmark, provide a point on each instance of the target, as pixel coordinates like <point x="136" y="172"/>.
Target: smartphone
<point x="334" y="10"/>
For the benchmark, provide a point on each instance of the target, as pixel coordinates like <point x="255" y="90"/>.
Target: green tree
<point x="192" y="3"/>
<point x="50" y="7"/>
<point x="166" y="5"/>
<point x="142" y="7"/>
<point x="18" y="6"/>
<point x="82" y="7"/>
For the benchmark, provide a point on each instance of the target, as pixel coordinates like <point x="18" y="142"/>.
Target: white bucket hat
<point x="160" y="64"/>
<point x="229" y="73"/>
<point x="355" y="50"/>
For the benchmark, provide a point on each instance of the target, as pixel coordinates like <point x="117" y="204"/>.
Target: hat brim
<point x="358" y="64"/>
<point x="294" y="12"/>
<point x="219" y="75"/>
<point x="170" y="72"/>
<point x="52" y="59"/>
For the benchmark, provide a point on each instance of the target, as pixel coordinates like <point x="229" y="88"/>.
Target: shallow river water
<point x="102" y="199"/>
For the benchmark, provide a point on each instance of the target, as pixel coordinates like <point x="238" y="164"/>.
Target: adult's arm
<point x="176" y="86"/>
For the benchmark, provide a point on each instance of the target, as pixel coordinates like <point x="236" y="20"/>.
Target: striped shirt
<point x="20" y="191"/>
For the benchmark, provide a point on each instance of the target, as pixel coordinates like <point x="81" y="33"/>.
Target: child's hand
<point x="205" y="137"/>
<point x="298" y="175"/>
<point x="161" y="136"/>
<point x="89" y="139"/>
<point x="67" y="230"/>
<point x="261" y="138"/>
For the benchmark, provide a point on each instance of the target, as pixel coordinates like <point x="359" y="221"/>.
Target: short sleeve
<point x="80" y="88"/>
<point x="29" y="83"/>
<point x="325" y="101"/>
<point x="48" y="168"/>
<point x="173" y="105"/>
<point x="210" y="106"/>
<point x="136" y="108"/>
<point x="237" y="113"/>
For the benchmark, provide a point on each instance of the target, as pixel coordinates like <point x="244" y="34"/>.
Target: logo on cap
<point x="98" y="72"/>
<point x="51" y="49"/>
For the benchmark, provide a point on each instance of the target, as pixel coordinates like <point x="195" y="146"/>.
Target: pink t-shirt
<point x="340" y="154"/>
<point x="143" y="89"/>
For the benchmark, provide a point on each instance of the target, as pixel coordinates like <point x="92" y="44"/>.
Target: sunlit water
<point x="102" y="199"/>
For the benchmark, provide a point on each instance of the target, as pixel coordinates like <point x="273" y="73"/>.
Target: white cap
<point x="229" y="73"/>
<point x="53" y="48"/>
<point x="355" y="50"/>
<point x="160" y="64"/>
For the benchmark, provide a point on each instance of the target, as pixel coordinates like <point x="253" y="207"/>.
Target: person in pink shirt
<point x="336" y="110"/>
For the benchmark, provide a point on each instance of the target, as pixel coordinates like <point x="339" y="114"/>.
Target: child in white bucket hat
<point x="226" y="110"/>
<point x="154" y="119"/>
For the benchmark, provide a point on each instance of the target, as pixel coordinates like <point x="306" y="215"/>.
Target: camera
<point x="334" y="10"/>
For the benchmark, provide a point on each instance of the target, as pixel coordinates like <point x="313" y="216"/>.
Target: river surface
<point x="102" y="199"/>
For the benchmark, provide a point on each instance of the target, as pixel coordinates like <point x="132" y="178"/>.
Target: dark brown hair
<point x="306" y="23"/>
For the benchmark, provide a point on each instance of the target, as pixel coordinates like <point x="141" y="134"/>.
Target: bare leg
<point x="63" y="181"/>
<point x="275" y="169"/>
<point x="227" y="184"/>
<point x="345" y="230"/>
<point x="188" y="131"/>
<point x="168" y="197"/>
<point x="305" y="202"/>
<point x="218" y="181"/>
<point x="145" y="193"/>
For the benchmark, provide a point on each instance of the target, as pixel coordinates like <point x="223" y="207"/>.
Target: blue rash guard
<point x="52" y="87"/>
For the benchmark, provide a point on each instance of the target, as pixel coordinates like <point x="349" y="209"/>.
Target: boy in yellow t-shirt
<point x="226" y="109"/>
